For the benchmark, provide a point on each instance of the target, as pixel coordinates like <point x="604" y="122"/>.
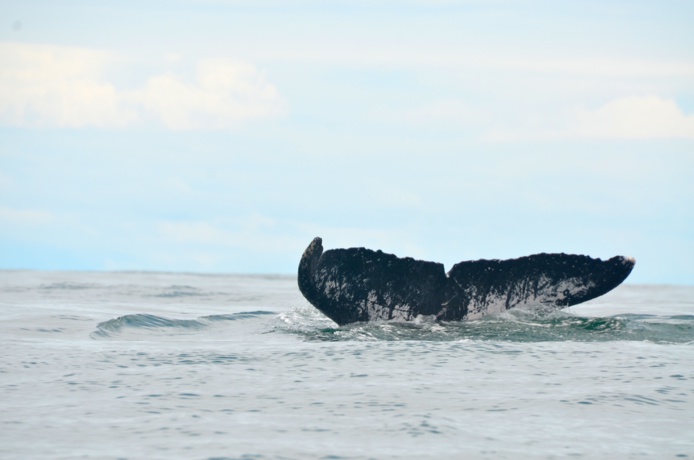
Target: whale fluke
<point x="358" y="284"/>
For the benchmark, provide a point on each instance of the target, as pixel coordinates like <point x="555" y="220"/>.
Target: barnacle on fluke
<point x="358" y="284"/>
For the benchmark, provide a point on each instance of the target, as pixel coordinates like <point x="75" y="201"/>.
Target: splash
<point x="533" y="325"/>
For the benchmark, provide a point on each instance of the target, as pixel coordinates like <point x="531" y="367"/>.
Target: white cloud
<point x="632" y="117"/>
<point x="363" y="52"/>
<point x="57" y="86"/>
<point x="635" y="117"/>
<point x="224" y="93"/>
<point x="599" y="67"/>
<point x="11" y="216"/>
<point x="42" y="85"/>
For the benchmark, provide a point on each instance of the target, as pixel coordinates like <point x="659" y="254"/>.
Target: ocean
<point x="135" y="365"/>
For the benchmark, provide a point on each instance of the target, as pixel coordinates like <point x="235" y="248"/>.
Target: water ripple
<point x="161" y="325"/>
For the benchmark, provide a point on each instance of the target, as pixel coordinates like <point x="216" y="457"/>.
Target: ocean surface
<point x="129" y="365"/>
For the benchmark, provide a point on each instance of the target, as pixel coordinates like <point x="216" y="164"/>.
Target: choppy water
<point x="155" y="365"/>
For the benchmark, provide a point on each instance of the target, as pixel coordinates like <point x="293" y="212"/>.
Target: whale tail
<point x="358" y="284"/>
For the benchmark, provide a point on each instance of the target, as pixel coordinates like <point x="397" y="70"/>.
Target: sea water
<point x="165" y="365"/>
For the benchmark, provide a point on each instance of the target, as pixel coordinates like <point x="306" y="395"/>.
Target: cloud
<point x="635" y="117"/>
<point x="224" y="93"/>
<point x="367" y="51"/>
<point x="57" y="86"/>
<point x="598" y="67"/>
<point x="11" y="216"/>
<point x="42" y="85"/>
<point x="632" y="117"/>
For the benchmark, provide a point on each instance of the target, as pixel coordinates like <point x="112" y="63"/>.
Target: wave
<point x="512" y="326"/>
<point x="153" y="324"/>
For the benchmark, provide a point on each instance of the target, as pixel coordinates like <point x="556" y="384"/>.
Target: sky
<point x="222" y="136"/>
